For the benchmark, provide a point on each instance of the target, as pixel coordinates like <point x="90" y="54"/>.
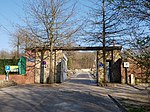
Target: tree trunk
<point x="97" y="66"/>
<point x="42" y="68"/>
<point x="104" y="41"/>
<point x="18" y="45"/>
<point x="51" y="74"/>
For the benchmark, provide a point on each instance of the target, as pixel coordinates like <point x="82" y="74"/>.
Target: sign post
<point x="126" y="66"/>
<point x="7" y="69"/>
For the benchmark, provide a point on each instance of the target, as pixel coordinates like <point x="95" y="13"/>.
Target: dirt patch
<point x="132" y="98"/>
<point x="134" y="105"/>
<point x="135" y="102"/>
<point x="7" y="83"/>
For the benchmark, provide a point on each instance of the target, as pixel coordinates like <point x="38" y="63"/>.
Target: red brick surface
<point x="133" y="69"/>
<point x="20" y="79"/>
<point x="28" y="78"/>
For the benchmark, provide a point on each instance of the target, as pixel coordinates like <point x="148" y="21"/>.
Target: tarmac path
<point x="79" y="94"/>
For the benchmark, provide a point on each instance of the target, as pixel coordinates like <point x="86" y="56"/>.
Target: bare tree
<point x="51" y="23"/>
<point x="21" y="39"/>
<point x="138" y="13"/>
<point x="105" y="24"/>
<point x="4" y="54"/>
<point x="15" y="41"/>
<point x="80" y="60"/>
<point x="136" y="9"/>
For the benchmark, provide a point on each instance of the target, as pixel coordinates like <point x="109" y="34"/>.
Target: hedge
<point x="4" y="62"/>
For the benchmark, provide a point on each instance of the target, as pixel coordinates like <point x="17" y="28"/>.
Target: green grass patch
<point x="136" y="110"/>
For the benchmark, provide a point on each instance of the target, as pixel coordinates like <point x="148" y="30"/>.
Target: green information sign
<point x="22" y="65"/>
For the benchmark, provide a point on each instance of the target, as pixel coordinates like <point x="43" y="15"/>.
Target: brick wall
<point x="20" y="79"/>
<point x="134" y="69"/>
<point x="27" y="78"/>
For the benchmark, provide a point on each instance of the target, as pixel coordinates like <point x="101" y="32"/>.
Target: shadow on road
<point x="83" y="81"/>
<point x="41" y="99"/>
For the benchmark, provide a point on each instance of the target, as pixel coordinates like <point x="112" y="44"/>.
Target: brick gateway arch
<point x="113" y="61"/>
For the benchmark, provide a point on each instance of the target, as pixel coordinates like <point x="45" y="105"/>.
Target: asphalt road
<point x="79" y="94"/>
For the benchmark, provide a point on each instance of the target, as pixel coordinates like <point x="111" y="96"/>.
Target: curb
<point x="117" y="103"/>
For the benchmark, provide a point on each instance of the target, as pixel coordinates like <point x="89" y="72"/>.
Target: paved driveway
<point x="80" y="94"/>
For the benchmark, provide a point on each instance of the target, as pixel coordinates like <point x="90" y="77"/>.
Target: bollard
<point x="132" y="79"/>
